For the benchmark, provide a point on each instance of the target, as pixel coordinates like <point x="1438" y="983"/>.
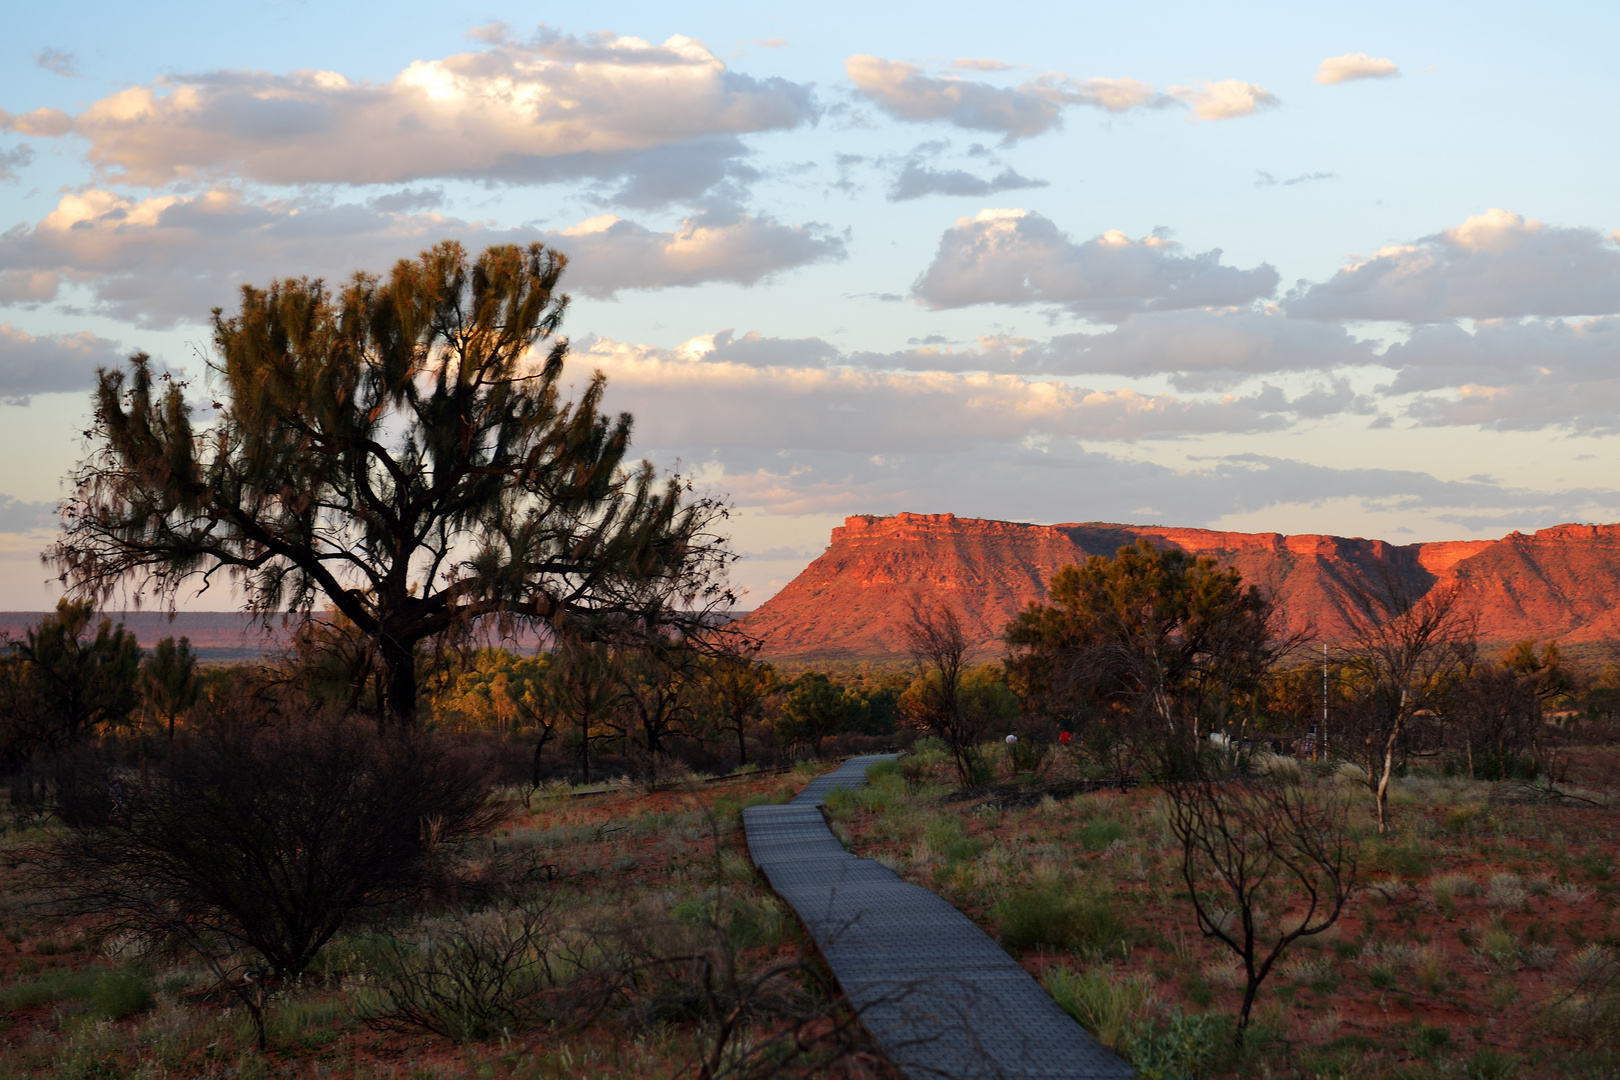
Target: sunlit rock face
<point x="852" y="603"/>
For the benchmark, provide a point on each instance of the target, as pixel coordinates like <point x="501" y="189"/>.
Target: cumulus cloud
<point x="795" y="427"/>
<point x="916" y="180"/>
<point x="171" y="258"/>
<point x="1227" y="99"/>
<point x="1021" y="257"/>
<point x="50" y="363"/>
<point x="703" y="394"/>
<point x="556" y="107"/>
<point x="608" y="254"/>
<point x="754" y="350"/>
<point x="1494" y="265"/>
<point x="904" y="92"/>
<point x="1352" y="66"/>
<point x="1199" y="350"/>
<point x="1513" y="375"/>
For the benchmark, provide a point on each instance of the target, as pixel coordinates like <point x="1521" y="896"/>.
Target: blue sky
<point x="1268" y="267"/>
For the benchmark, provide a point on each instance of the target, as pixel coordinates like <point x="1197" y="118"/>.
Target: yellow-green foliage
<point x="501" y="691"/>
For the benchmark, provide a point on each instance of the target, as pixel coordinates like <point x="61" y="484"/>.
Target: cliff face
<point x="852" y="602"/>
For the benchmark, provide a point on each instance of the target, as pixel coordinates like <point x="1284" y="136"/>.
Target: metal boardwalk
<point x="941" y="998"/>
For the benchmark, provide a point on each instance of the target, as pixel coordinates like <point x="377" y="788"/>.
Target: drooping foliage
<point x="400" y="449"/>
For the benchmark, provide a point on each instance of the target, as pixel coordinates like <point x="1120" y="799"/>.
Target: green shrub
<point x="758" y="923"/>
<point x="1108" y="1006"/>
<point x="108" y="993"/>
<point x="1488" y="1064"/>
<point x="1052" y="919"/>
<point x="961" y="851"/>
<point x="880" y="770"/>
<point x="1460" y="819"/>
<point x="118" y="994"/>
<point x="1120" y="1010"/>
<point x="1397" y="859"/>
<point x="1027" y="755"/>
<point x="1429" y="1042"/>
<point x="1098" y="833"/>
<point x="1181" y="1047"/>
<point x="304" y="1022"/>
<point x="942" y="831"/>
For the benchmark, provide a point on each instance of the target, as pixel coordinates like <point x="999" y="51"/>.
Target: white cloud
<point x="171" y="258"/>
<point x="1198" y="349"/>
<point x="607" y="253"/>
<point x="1512" y="375"/>
<point x="50" y="363"/>
<point x="1494" y="265"/>
<point x="1351" y="66"/>
<point x="712" y="393"/>
<point x="904" y="92"/>
<point x="553" y="108"/>
<point x="1227" y="99"/>
<point x="1020" y="257"/>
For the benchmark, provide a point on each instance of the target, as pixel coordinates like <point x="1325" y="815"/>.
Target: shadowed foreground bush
<point x="271" y="836"/>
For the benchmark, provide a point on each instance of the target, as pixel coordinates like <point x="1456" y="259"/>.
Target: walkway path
<point x="941" y="998"/>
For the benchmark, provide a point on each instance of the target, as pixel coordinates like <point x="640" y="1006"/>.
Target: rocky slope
<point x="852" y="602"/>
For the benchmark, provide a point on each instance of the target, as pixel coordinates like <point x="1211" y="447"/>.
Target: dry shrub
<point x="269" y="835"/>
<point x="1587" y="1006"/>
<point x="506" y="969"/>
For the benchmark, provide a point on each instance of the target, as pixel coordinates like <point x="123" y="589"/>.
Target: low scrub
<point x="1056" y="919"/>
<point x="107" y="994"/>
<point x="1125" y="1015"/>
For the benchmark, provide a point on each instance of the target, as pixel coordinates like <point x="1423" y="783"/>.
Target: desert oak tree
<point x="400" y="449"/>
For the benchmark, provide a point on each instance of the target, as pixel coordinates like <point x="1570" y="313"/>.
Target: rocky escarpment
<point x="852" y="602"/>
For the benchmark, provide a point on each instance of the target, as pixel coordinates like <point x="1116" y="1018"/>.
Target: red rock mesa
<point x="851" y="603"/>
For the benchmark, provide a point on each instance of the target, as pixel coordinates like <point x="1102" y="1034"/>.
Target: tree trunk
<point x="539" y="748"/>
<point x="1383" y="780"/>
<point x="398" y="704"/>
<point x="585" y="749"/>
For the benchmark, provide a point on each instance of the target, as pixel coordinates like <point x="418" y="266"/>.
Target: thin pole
<point x="1323" y="739"/>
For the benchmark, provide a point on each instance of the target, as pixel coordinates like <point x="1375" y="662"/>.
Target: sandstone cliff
<point x="851" y="603"/>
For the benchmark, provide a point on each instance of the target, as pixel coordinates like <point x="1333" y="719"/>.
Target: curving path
<point x="940" y="997"/>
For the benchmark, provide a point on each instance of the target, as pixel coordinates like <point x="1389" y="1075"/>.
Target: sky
<point x="1348" y="269"/>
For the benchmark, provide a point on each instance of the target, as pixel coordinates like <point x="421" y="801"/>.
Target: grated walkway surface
<point x="941" y="998"/>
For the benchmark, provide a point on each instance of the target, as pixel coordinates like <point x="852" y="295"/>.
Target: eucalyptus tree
<point x="400" y="449"/>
